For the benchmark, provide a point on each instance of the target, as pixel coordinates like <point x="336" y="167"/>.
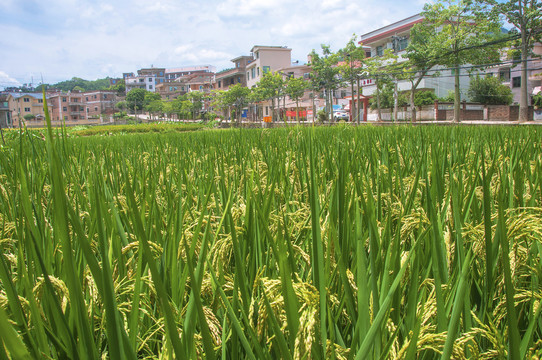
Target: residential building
<point x="140" y="82"/>
<point x="175" y="73"/>
<point x="5" y="116"/>
<point x="170" y="90"/>
<point x="67" y="106"/>
<point x="236" y="75"/>
<point x="396" y="36"/>
<point x="509" y="71"/>
<point x="21" y="104"/>
<point x="99" y="103"/>
<point x="267" y="58"/>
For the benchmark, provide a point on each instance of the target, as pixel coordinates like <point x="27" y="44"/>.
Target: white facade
<point x="397" y="36"/>
<point x="140" y="82"/>
<point x="510" y="73"/>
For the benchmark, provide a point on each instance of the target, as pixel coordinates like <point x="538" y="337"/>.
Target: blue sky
<point x="60" y="39"/>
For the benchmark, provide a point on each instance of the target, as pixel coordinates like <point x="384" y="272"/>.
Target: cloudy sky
<point x="60" y="39"/>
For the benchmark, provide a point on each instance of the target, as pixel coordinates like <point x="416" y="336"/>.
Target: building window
<point x="105" y="96"/>
<point x="81" y="108"/>
<point x="219" y="84"/>
<point x="379" y="50"/>
<point x="258" y="71"/>
<point x="65" y="117"/>
<point x="95" y="96"/>
<point x="40" y="101"/>
<point x="87" y="110"/>
<point x="253" y="73"/>
<point x="504" y="75"/>
<point x="239" y="79"/>
<point x="150" y="87"/>
<point x="516" y="81"/>
<point x="141" y="80"/>
<point x="266" y="110"/>
<point x="75" y="100"/>
<point x="63" y="99"/>
<point x="257" y="54"/>
<point x="150" y="79"/>
<point x="65" y="108"/>
<point x="26" y="99"/>
<point x="26" y="109"/>
<point x="95" y="108"/>
<point x="201" y="87"/>
<point x="161" y="73"/>
<point x="266" y="69"/>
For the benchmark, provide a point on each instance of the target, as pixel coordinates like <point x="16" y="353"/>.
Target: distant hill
<point x="85" y="85"/>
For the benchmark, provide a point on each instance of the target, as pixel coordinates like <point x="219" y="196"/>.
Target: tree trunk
<point x="457" y="97"/>
<point x="395" y="100"/>
<point x="353" y="107"/>
<point x="297" y="112"/>
<point x="359" y="102"/>
<point x="379" y="111"/>
<point x="412" y="106"/>
<point x="524" y="97"/>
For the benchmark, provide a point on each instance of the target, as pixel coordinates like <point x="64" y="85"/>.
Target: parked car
<point x="339" y="115"/>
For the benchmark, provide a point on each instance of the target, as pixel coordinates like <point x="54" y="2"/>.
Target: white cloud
<point x="97" y="38"/>
<point x="7" y="81"/>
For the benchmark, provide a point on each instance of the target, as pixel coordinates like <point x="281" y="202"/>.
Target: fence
<point x="445" y="112"/>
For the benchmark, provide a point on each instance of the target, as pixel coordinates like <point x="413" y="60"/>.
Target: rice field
<point x="323" y="243"/>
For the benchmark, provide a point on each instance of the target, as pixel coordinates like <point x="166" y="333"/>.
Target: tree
<point x="377" y="69"/>
<point x="295" y="89"/>
<point x="352" y="69"/>
<point x="325" y="75"/>
<point x="78" y="89"/>
<point x="526" y="16"/>
<point x="155" y="107"/>
<point x="489" y="91"/>
<point x="121" y="105"/>
<point x="135" y="99"/>
<point x="29" y="117"/>
<point x="196" y="98"/>
<point x="119" y="88"/>
<point x="237" y="96"/>
<point x="270" y="87"/>
<point x="460" y="33"/>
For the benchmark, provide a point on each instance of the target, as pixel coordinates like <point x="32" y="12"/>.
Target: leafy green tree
<point x="377" y="69"/>
<point x="196" y="98"/>
<point x="325" y="75"/>
<point x="78" y="89"/>
<point x="271" y="87"/>
<point x="155" y="107"/>
<point x="526" y="16"/>
<point x="489" y="91"/>
<point x="537" y="100"/>
<point x="461" y="31"/>
<point x="295" y="89"/>
<point x="257" y="96"/>
<point x="424" y="97"/>
<point x="119" y="88"/>
<point x="121" y="105"/>
<point x="352" y="69"/>
<point x="29" y="117"/>
<point x="135" y="99"/>
<point x="150" y="97"/>
<point x="237" y="96"/>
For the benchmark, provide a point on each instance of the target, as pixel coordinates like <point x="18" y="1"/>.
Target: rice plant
<point x="348" y="243"/>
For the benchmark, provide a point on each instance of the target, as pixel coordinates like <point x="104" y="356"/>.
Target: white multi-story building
<point x="396" y="37"/>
